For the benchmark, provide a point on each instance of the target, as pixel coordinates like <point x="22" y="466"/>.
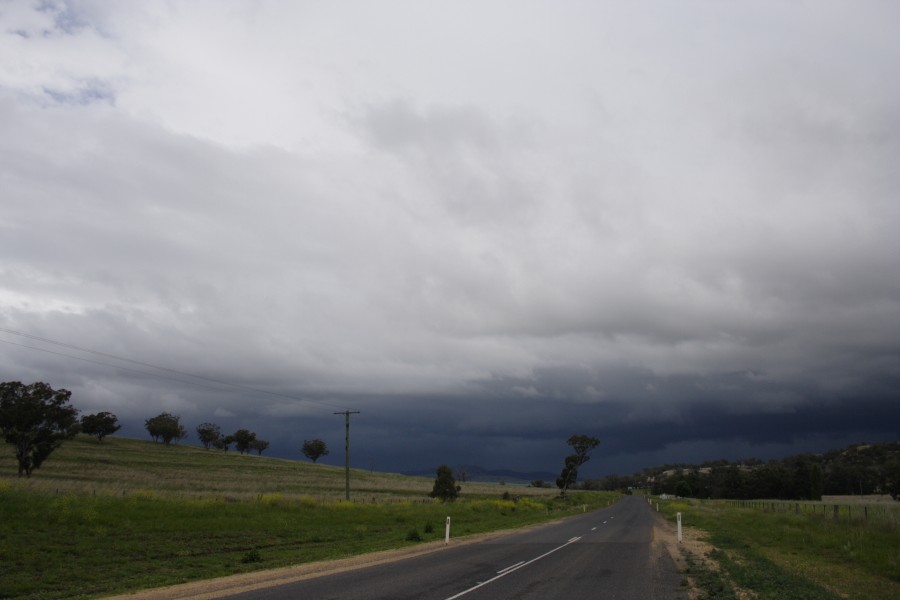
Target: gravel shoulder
<point x="692" y="548"/>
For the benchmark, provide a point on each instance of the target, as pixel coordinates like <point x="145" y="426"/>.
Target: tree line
<point x="860" y="469"/>
<point x="167" y="428"/>
<point x="36" y="419"/>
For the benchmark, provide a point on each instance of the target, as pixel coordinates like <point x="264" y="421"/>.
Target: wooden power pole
<point x="347" y="414"/>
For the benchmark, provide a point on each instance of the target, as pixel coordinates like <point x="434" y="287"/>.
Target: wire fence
<point x="880" y="513"/>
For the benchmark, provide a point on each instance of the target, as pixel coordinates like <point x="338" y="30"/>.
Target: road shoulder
<point x="210" y="589"/>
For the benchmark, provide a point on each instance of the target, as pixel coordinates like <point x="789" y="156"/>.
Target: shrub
<point x="252" y="556"/>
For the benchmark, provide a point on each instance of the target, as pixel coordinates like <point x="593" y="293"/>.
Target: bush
<point x="253" y="556"/>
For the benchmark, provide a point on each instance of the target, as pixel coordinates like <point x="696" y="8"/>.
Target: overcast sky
<point x="486" y="226"/>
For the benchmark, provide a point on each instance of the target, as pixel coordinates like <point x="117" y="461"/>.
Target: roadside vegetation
<point x="793" y="550"/>
<point x="123" y="515"/>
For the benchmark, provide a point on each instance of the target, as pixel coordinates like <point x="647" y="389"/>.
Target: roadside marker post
<point x="447" y="532"/>
<point x="679" y="528"/>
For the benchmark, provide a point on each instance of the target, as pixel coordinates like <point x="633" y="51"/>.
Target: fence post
<point x="836" y="509"/>
<point x="447" y="532"/>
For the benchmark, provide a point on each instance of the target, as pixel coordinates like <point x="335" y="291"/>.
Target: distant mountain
<point x="480" y="474"/>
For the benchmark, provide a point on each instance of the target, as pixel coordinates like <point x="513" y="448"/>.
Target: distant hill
<point x="860" y="469"/>
<point x="480" y="474"/>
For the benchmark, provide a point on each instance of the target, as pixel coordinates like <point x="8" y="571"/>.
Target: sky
<point x="486" y="226"/>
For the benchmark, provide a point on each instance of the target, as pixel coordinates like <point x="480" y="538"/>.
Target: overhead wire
<point x="170" y="371"/>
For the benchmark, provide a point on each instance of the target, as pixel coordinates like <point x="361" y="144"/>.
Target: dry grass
<point x="121" y="466"/>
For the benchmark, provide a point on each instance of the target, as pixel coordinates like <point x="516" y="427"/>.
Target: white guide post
<point x="447" y="532"/>
<point x="679" y="528"/>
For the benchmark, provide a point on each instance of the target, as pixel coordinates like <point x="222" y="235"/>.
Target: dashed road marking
<point x="512" y="569"/>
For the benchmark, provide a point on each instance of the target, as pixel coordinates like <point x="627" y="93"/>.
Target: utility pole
<point x="347" y="414"/>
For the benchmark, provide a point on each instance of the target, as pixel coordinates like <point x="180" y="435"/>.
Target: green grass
<point x="710" y="581"/>
<point x="797" y="553"/>
<point x="127" y="515"/>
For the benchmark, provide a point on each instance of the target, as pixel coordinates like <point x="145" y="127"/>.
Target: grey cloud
<point x="676" y="242"/>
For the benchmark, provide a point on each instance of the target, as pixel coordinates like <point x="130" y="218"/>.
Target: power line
<point x="146" y="364"/>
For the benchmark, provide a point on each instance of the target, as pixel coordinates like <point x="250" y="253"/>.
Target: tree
<point x="36" y="419"/>
<point x="892" y="478"/>
<point x="445" y="486"/>
<point x="208" y="434"/>
<point x="314" y="449"/>
<point x="582" y="445"/>
<point x="102" y="424"/>
<point x="259" y="446"/>
<point x="224" y="442"/>
<point x="242" y="440"/>
<point x="816" y="482"/>
<point x="165" y="427"/>
<point x="569" y="474"/>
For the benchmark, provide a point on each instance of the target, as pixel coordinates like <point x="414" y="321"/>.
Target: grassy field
<point x="99" y="519"/>
<point x="795" y="550"/>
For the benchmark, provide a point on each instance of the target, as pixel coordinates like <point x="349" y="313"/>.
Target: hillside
<point x="860" y="469"/>
<point x="121" y="465"/>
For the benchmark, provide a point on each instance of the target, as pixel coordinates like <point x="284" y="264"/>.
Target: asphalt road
<point x="603" y="554"/>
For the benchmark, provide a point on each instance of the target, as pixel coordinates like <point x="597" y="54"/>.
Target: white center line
<point x="512" y="569"/>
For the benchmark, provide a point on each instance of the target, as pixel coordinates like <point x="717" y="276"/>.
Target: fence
<point x="880" y="513"/>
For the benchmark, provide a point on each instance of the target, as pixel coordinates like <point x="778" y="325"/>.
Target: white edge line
<point x="512" y="569"/>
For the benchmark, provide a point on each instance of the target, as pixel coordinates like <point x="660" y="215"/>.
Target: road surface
<point x="604" y="554"/>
